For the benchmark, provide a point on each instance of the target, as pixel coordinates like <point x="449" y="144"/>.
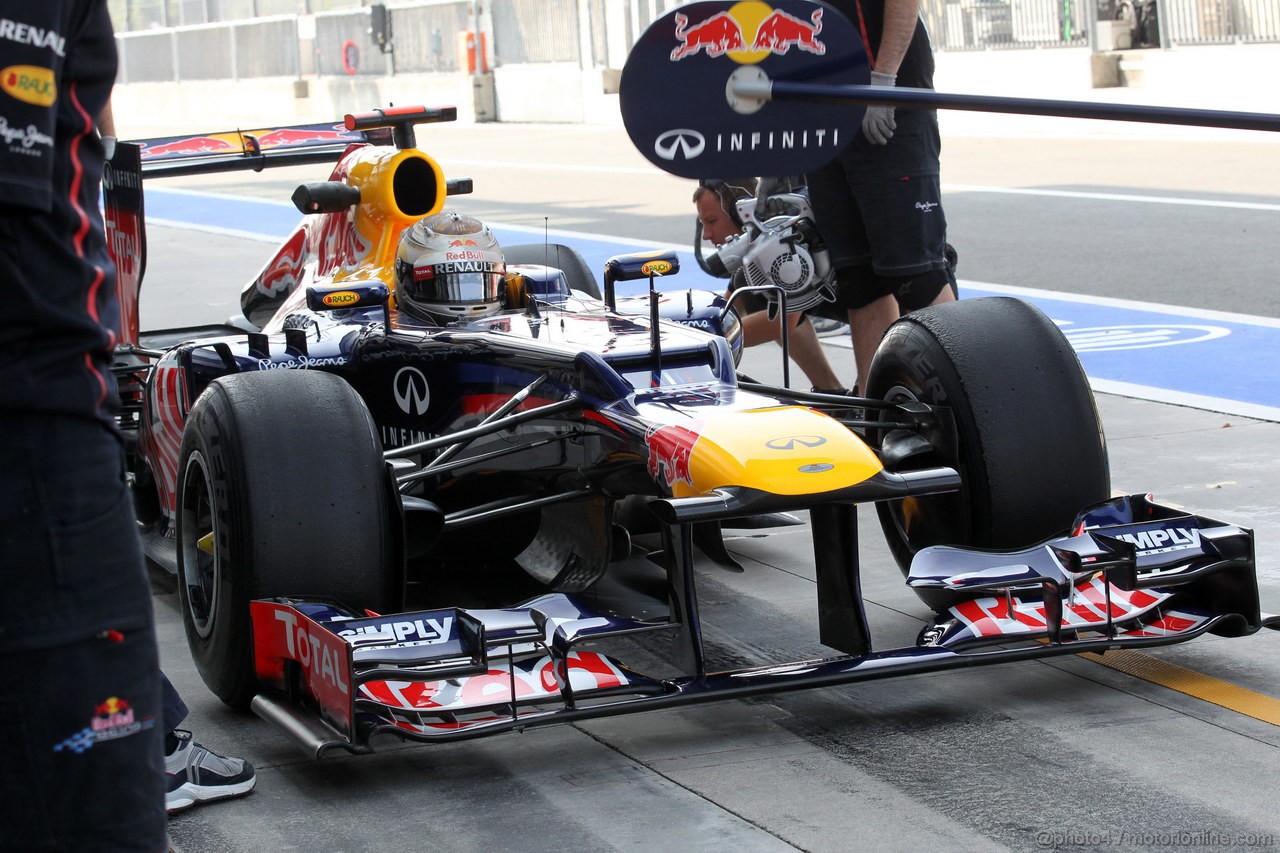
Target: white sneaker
<point x="196" y="775"/>
<point x="825" y="327"/>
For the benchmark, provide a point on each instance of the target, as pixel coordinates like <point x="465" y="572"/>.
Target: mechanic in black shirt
<point x="81" y="688"/>
<point x="878" y="205"/>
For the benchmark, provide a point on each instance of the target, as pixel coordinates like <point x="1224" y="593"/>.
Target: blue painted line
<point x="1204" y="359"/>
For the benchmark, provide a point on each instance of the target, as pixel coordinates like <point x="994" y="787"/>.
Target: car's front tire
<point x="282" y="490"/>
<point x="1027" y="442"/>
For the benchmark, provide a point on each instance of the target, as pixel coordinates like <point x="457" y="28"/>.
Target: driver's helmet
<point x="449" y="267"/>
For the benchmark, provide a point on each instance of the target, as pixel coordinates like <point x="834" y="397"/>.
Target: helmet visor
<point x="468" y="287"/>
<point x="454" y="289"/>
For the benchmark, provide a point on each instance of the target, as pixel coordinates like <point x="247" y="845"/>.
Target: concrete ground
<point x="1061" y="754"/>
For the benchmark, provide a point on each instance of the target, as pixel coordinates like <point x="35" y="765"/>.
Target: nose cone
<point x="787" y="450"/>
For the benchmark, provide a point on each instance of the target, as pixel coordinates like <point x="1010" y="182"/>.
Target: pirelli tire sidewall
<point x="290" y="470"/>
<point x="1028" y="440"/>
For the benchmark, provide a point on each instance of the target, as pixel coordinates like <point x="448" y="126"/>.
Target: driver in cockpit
<point x="450" y="267"/>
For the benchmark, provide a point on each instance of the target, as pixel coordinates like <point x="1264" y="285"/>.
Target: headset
<point x="778" y="244"/>
<point x="730" y="192"/>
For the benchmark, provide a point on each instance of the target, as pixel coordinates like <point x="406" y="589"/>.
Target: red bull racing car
<point x="384" y="524"/>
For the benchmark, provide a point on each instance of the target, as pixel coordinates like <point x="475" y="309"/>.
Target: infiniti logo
<point x="1146" y="336"/>
<point x="683" y="141"/>
<point x="411" y="391"/>
<point x="791" y="442"/>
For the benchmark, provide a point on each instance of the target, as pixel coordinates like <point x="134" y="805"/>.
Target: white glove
<point x="878" y="124"/>
<point x="108" y="147"/>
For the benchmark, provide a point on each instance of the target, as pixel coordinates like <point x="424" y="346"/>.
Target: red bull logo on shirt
<point x="747" y="33"/>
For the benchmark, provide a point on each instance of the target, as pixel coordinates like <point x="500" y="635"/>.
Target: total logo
<point x="312" y="651"/>
<point x="747" y="33"/>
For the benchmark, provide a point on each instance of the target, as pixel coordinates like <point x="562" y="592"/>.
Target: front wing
<point x="1133" y="574"/>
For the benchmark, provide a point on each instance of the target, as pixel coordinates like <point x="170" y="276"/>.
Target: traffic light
<point x="380" y="26"/>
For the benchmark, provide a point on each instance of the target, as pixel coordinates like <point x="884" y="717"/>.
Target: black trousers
<point x="81" y="764"/>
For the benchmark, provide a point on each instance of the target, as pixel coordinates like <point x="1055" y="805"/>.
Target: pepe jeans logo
<point x="411" y="391"/>
<point x="682" y="141"/>
<point x="24" y="139"/>
<point x="926" y="206"/>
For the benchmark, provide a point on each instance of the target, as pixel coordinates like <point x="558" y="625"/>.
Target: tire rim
<point x="928" y="519"/>
<point x="198" y="558"/>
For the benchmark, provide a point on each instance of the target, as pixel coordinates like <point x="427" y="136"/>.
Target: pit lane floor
<point x="1026" y="756"/>
<point x="1038" y="755"/>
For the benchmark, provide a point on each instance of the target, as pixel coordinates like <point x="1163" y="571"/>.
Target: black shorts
<point x="880" y="206"/>
<point x="81" y="763"/>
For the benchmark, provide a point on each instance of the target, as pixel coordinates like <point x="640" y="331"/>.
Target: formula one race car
<point x="343" y="491"/>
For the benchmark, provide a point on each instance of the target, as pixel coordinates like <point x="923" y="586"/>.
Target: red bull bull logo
<point x="287" y="136"/>
<point x="187" y="145"/>
<point x="113" y="705"/>
<point x="113" y="715"/>
<point x="453" y="243"/>
<point x="670" y="448"/>
<point x="112" y="719"/>
<point x="747" y="33"/>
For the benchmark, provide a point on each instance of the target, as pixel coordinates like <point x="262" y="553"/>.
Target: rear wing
<point x="235" y="150"/>
<point x="232" y="151"/>
<point x="291" y="145"/>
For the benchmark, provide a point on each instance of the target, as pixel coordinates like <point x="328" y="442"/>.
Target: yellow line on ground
<point x="1233" y="697"/>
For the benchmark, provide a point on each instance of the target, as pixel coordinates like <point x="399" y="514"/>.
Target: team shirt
<point x="916" y="69"/>
<point x="58" y="308"/>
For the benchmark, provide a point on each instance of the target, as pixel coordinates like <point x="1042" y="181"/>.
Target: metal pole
<point x="908" y="98"/>
<point x="475" y="32"/>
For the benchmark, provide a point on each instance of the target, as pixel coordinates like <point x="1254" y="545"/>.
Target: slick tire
<point x="1028" y="440"/>
<point x="563" y="258"/>
<point x="282" y="490"/>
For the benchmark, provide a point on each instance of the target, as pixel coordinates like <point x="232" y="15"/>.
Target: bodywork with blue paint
<point x="379" y="526"/>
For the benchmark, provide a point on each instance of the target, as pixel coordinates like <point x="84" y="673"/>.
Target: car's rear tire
<point x="564" y="258"/>
<point x="1029" y="444"/>
<point x="282" y="490"/>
